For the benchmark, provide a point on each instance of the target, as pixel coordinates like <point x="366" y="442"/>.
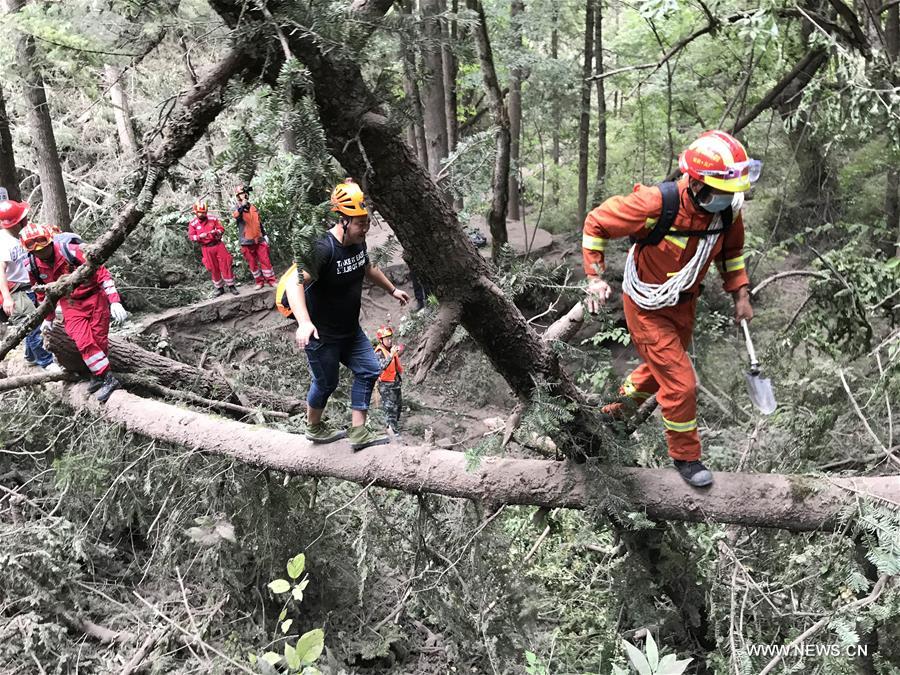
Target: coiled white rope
<point x="656" y="296"/>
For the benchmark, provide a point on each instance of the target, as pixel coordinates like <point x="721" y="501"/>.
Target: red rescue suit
<point x="86" y="310"/>
<point x="255" y="249"/>
<point x="216" y="258"/>
<point x="661" y="337"/>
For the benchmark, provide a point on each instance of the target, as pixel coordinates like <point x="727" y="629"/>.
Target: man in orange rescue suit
<point x="252" y="238"/>
<point x="662" y="281"/>
<point x="208" y="233"/>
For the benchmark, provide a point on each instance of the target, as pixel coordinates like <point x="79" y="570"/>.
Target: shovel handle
<point x="754" y="364"/>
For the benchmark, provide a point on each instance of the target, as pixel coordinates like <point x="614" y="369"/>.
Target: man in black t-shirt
<point x="327" y="313"/>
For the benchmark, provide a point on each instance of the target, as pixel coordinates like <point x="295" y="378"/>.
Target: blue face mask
<point x="717" y="203"/>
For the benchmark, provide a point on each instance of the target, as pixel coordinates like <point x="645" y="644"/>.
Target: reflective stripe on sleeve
<point x="690" y="425"/>
<point x="593" y="243"/>
<point x="680" y="242"/>
<point x="734" y="264"/>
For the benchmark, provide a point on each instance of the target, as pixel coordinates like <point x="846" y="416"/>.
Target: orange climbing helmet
<point x="200" y="207"/>
<point x="383" y="332"/>
<point x="719" y="160"/>
<point x="348" y="198"/>
<point x="11" y="213"/>
<point x="34" y="237"/>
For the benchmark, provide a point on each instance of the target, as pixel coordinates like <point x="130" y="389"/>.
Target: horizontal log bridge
<point x="790" y="502"/>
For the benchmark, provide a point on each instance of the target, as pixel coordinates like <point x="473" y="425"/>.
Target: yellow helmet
<point x="348" y="198"/>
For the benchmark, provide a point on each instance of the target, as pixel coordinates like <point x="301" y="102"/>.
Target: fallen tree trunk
<point x="10" y="383"/>
<point x="125" y="357"/>
<point x="790" y="502"/>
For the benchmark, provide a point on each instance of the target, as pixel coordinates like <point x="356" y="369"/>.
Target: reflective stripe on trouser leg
<point x="226" y="264"/>
<point x="262" y="252"/>
<point x="211" y="263"/>
<point x="639" y="385"/>
<point x="660" y="338"/>
<point x="86" y="321"/>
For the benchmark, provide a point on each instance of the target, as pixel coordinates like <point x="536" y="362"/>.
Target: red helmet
<point x="242" y="189"/>
<point x="383" y="332"/>
<point x="719" y="160"/>
<point x="200" y="207"/>
<point x="11" y="213"/>
<point x="34" y="237"/>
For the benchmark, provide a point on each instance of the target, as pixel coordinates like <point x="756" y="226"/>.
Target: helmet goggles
<point x="752" y="168"/>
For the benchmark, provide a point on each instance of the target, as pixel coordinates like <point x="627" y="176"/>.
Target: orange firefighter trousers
<point x="661" y="338"/>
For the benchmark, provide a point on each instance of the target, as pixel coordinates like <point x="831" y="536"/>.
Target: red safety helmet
<point x="383" y="332"/>
<point x="34" y="237"/>
<point x="719" y="160"/>
<point x="11" y="213"/>
<point x="200" y="207"/>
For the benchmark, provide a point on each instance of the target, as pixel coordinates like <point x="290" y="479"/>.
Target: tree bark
<point x="9" y="178"/>
<point x="555" y="108"/>
<point x="451" y="67"/>
<point x="795" y="503"/>
<point x="432" y="344"/>
<point x="413" y="95"/>
<point x="584" y="126"/>
<point x="892" y="187"/>
<point x="434" y="98"/>
<point x="500" y="180"/>
<point x="122" y="111"/>
<point x="601" y="105"/>
<point x="54" y="204"/>
<point x="126" y="357"/>
<point x="517" y="10"/>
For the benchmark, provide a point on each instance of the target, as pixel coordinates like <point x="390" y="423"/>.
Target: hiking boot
<point x="233" y="290"/>
<point x="259" y="284"/>
<point x="694" y="473"/>
<point x="324" y="433"/>
<point x="217" y="293"/>
<point x="364" y="437"/>
<point x="110" y="384"/>
<point x="95" y="384"/>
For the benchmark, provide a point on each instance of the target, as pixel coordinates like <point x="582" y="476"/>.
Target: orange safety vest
<point x="393" y="369"/>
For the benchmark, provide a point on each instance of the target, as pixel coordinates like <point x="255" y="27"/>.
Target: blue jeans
<point x="34" y="343"/>
<point x="325" y="359"/>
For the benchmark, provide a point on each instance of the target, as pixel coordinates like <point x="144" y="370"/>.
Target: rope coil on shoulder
<point x="651" y="297"/>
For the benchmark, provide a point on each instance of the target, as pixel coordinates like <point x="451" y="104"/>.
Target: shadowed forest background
<point x="124" y="549"/>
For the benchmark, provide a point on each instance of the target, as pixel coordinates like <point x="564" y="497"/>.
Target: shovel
<point x="759" y="388"/>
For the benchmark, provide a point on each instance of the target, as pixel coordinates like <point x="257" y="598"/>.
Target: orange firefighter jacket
<point x="393" y="368"/>
<point x="635" y="214"/>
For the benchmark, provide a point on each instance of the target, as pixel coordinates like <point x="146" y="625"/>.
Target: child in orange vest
<point x="389" y="381"/>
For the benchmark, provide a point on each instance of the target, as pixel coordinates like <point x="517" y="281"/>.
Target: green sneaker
<point x="324" y="433"/>
<point x="363" y="437"/>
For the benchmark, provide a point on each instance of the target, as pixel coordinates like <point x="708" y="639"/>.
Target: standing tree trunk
<point x="434" y="99"/>
<point x="516" y="10"/>
<point x="124" y="124"/>
<point x="54" y="204"/>
<point x="556" y="113"/>
<point x="892" y="189"/>
<point x="584" y="127"/>
<point x="416" y="131"/>
<point x="451" y="67"/>
<point x="601" y="105"/>
<point x="8" y="175"/>
<point x="500" y="180"/>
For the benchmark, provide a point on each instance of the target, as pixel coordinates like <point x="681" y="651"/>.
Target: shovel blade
<point x="761" y="394"/>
